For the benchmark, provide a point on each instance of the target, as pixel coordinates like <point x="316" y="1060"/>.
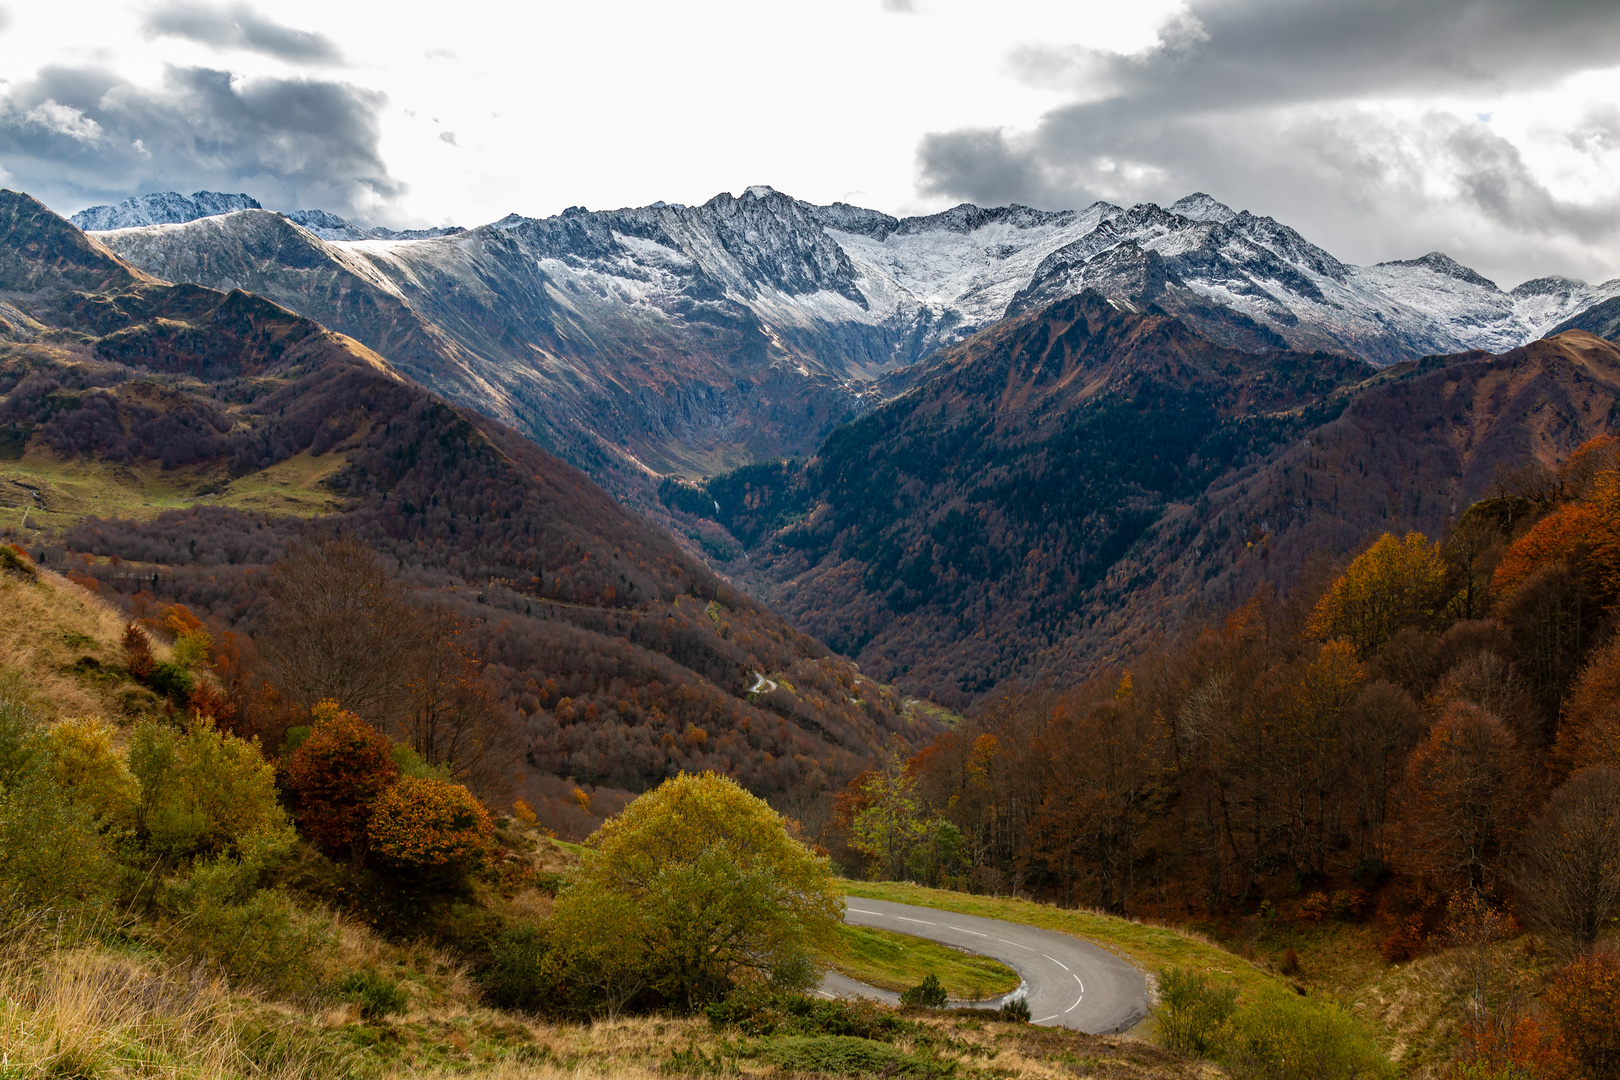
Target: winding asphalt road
<point x="1068" y="982"/>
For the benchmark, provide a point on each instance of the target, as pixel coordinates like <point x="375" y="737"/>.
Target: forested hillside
<point x="610" y="657"/>
<point x="1060" y="489"/>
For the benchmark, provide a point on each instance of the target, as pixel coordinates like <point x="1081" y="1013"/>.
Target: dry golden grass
<point x="46" y="626"/>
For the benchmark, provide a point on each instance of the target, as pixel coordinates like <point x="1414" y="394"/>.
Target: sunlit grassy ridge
<point x="40" y="490"/>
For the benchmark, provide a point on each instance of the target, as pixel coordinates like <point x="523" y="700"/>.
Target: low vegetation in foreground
<point x="178" y="901"/>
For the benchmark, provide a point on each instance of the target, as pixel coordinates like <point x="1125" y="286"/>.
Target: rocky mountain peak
<point x="1444" y="264"/>
<point x="162" y="208"/>
<point x="1201" y="207"/>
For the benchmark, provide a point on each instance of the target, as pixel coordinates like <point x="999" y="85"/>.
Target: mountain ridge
<point x="689" y="340"/>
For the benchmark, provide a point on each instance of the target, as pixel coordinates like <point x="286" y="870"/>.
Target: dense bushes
<point x="1192" y="1014"/>
<point x="1280" y="1037"/>
<point x="337" y="772"/>
<point x="203" y="790"/>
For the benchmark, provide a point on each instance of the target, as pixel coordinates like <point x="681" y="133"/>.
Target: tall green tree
<point x="708" y="891"/>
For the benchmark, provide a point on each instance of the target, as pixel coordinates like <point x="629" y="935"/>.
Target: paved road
<point x="1068" y="982"/>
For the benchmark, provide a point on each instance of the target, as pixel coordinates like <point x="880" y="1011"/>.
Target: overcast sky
<point x="1381" y="129"/>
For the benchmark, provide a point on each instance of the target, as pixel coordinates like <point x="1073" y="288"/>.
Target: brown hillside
<point x="616" y="658"/>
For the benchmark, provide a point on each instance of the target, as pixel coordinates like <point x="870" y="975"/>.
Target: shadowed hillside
<point x="1058" y="489"/>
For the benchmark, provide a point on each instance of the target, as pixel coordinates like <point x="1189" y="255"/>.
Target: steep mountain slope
<point x="948" y="537"/>
<point x="618" y="658"/>
<point x="682" y="340"/>
<point x="1057" y="489"/>
<point x="1602" y="319"/>
<point x="663" y="374"/>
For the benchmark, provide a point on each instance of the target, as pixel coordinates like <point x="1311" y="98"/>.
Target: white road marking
<point x="1079" y="999"/>
<point x="1044" y="1019"/>
<point x="858" y="911"/>
<point x="1058" y="962"/>
<point x="923" y="922"/>
<point x="965" y="930"/>
<point x="1014" y="944"/>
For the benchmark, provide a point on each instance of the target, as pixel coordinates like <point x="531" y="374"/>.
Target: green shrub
<point x="709" y="884"/>
<point x="928" y="993"/>
<point x="266" y="940"/>
<point x="517" y="974"/>
<point x="694" y="1062"/>
<point x="1296" y="1038"/>
<point x="51" y="850"/>
<point x="172" y="681"/>
<point x="81" y="760"/>
<point x="191" y="648"/>
<point x="1192" y="1013"/>
<point x="377" y="994"/>
<point x="222" y="918"/>
<point x="203" y="790"/>
<point x="758" y="1014"/>
<point x="843" y="1055"/>
<point x="1016" y="1010"/>
<point x="413" y="764"/>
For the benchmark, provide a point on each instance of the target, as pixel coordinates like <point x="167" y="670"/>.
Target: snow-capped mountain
<point x="161" y="208"/>
<point x="173" y="208"/>
<point x="689" y="339"/>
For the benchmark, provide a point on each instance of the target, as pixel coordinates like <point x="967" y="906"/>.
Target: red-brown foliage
<point x="1585" y="997"/>
<point x="1589" y="733"/>
<point x="1514" y="1046"/>
<point x="1464" y="789"/>
<point x="137" y="652"/>
<point x="338" y="772"/>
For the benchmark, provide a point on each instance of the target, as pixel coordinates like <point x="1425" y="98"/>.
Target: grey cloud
<point x="74" y="136"/>
<point x="901" y="7"/>
<point x="448" y="137"/>
<point x="239" y="26"/>
<point x="1265" y="104"/>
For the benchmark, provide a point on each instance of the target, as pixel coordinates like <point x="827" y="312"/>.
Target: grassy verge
<point x="894" y="961"/>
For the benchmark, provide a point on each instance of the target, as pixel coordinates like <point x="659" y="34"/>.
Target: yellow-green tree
<point x="892" y="822"/>
<point x="1390" y="586"/>
<point x="203" y="790"/>
<point x="707" y="890"/>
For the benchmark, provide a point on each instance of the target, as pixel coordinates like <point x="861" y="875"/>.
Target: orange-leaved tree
<point x="1585" y="997"/>
<point x="1464" y="792"/>
<point x="338" y="772"/>
<point x="1583" y="533"/>
<point x="430" y="829"/>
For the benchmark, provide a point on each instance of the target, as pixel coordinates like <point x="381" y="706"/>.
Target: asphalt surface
<point x="1068" y="982"/>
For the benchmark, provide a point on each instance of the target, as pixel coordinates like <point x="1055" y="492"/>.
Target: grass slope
<point x="892" y="961"/>
<point x="42" y="491"/>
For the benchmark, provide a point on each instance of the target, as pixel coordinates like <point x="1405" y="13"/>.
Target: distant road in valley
<point x="1068" y="982"/>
